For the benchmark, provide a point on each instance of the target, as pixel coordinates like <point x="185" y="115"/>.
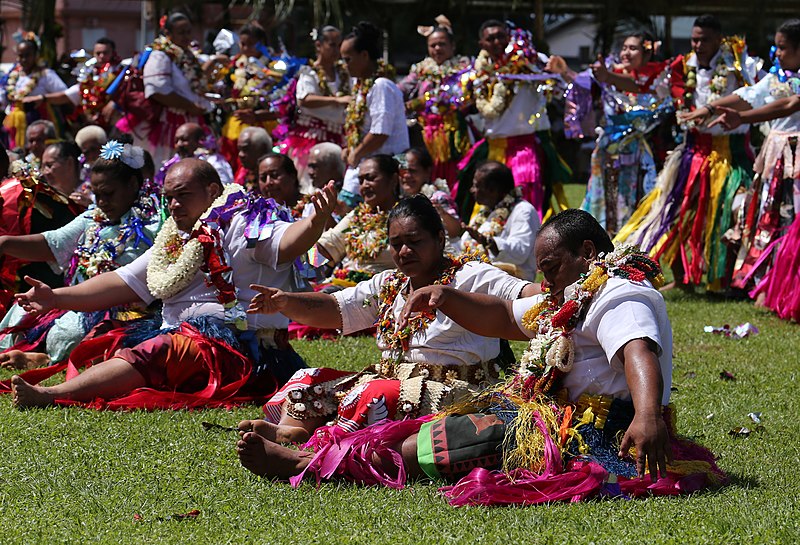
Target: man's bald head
<point x="187" y="139"/>
<point x="196" y="171"/>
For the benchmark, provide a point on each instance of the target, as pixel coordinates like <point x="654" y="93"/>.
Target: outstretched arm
<point x="481" y="314"/>
<point x="312" y="309"/>
<point x="784" y="107"/>
<point x="99" y="293"/>
<point x="648" y="431"/>
<point x="27" y="247"/>
<point x="303" y="234"/>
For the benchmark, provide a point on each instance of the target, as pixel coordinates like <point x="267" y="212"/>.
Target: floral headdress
<point x="442" y="22"/>
<point x="133" y="156"/>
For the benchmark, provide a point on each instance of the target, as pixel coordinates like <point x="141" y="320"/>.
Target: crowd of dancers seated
<point x="233" y="202"/>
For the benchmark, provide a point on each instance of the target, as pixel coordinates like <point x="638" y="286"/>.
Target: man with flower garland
<point x="599" y="367"/>
<point x="684" y="218"/>
<point x="89" y="94"/>
<point x="505" y="226"/>
<point x="206" y="352"/>
<point x="509" y="84"/>
<point x="191" y="140"/>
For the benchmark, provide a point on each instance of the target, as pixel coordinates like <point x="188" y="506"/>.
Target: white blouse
<point x="443" y="341"/>
<point x="163" y="76"/>
<point x="49" y="82"/>
<point x="622" y="311"/>
<point x="515" y="243"/>
<point x="308" y="84"/>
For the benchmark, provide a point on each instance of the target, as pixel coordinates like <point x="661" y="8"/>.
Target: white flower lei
<point x="437" y="185"/>
<point x="174" y="263"/>
<point x="492" y="99"/>
<point x="495" y="218"/>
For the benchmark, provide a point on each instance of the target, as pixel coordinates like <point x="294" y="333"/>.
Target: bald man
<point x="213" y="354"/>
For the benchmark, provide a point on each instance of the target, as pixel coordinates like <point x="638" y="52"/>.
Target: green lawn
<point x="77" y="476"/>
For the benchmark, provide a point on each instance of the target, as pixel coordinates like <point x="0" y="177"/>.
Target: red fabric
<point x="42" y="321"/>
<point x="225" y="374"/>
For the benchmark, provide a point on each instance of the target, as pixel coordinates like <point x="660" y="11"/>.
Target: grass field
<point x="78" y="476"/>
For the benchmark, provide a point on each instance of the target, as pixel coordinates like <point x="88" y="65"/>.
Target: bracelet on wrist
<point x="711" y="109"/>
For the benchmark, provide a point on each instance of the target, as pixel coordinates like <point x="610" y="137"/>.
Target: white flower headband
<point x="133" y="156"/>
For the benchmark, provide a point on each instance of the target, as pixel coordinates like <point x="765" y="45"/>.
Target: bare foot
<point x="17" y="359"/>
<point x="761" y="299"/>
<point x="277" y="433"/>
<point x="26" y="395"/>
<point x="268" y="459"/>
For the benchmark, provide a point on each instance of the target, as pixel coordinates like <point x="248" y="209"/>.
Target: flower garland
<point x="186" y="61"/>
<point x="356" y="110"/>
<point x="492" y="95"/>
<point x="14" y="95"/>
<point x="431" y="188"/>
<point x="551" y="351"/>
<point x="367" y="234"/>
<point x="399" y="339"/>
<point x="98" y="254"/>
<point x="495" y="218"/>
<point x="176" y="260"/>
<point x="297" y="209"/>
<point x="341" y="75"/>
<point x="93" y="84"/>
<point x="727" y="62"/>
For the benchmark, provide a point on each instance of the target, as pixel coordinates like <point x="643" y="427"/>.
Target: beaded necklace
<point x="495" y="218"/>
<point x="551" y="352"/>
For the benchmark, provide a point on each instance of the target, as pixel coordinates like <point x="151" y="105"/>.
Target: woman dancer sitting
<point x="120" y="229"/>
<point x="423" y="367"/>
<point x="359" y="243"/>
<point x="586" y="414"/>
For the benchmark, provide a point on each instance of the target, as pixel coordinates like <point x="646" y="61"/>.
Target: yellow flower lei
<point x="342" y="75"/>
<point x="357" y="109"/>
<point x="12" y="95"/>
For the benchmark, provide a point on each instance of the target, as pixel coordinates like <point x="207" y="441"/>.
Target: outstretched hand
<point x="423" y="299"/>
<point x="653" y="450"/>
<point x="267" y="300"/>
<point x="40" y="299"/>
<point x="728" y="118"/>
<point x="325" y="201"/>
